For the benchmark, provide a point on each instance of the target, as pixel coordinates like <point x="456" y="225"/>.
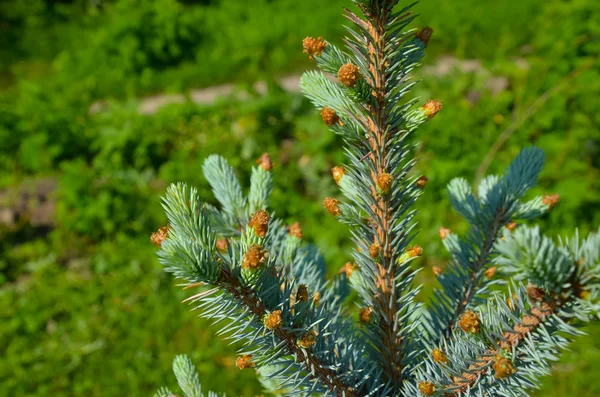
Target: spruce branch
<point x="268" y="289"/>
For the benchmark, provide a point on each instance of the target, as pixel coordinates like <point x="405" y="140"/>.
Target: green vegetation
<point x="84" y="306"/>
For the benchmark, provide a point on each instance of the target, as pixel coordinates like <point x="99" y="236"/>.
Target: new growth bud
<point x="431" y="108"/>
<point x="470" y="322"/>
<point x="295" y="230"/>
<point x="332" y="205"/>
<point x="384" y="182"/>
<point x="424" y="35"/>
<point x="551" y="200"/>
<point x="349" y="74"/>
<point x="439" y="356"/>
<point x="365" y="315"/>
<point x="427" y="388"/>
<point x="329" y="116"/>
<point x="338" y="172"/>
<point x="244" y="361"/>
<point x="307" y="340"/>
<point x="444" y="232"/>
<point x="160" y="235"/>
<point x="260" y="223"/>
<point x="255" y="257"/>
<point x="313" y="47"/>
<point x="265" y="162"/>
<point x="421" y="182"/>
<point x="273" y="320"/>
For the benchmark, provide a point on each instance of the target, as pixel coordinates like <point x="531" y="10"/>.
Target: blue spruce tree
<point x="510" y="298"/>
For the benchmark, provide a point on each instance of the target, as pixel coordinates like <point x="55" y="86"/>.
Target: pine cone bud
<point x="374" y="250"/>
<point x="302" y="293"/>
<point x="348" y="269"/>
<point x="470" y="322"/>
<point x="489" y="273"/>
<point x="160" y="235"/>
<point x="421" y="182"/>
<point x="255" y="257"/>
<point x="503" y="367"/>
<point x="535" y="293"/>
<point x="439" y="356"/>
<point x="415" y="251"/>
<point x="307" y="340"/>
<point x="424" y="35"/>
<point x="273" y="319"/>
<point x="427" y="388"/>
<point x="295" y="230"/>
<point x="222" y="244"/>
<point x="349" y="74"/>
<point x="431" y="108"/>
<point x="332" y="205"/>
<point x="260" y="223"/>
<point x="551" y="200"/>
<point x="365" y="315"/>
<point x="265" y="162"/>
<point x="384" y="182"/>
<point x="437" y="270"/>
<point x="329" y="116"/>
<point x="511" y="226"/>
<point x="338" y="173"/>
<point x="244" y="361"/>
<point x="313" y="47"/>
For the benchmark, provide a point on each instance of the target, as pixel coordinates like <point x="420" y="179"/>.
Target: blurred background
<point x="105" y="102"/>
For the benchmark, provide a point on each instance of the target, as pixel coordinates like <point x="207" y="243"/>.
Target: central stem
<point x="386" y="299"/>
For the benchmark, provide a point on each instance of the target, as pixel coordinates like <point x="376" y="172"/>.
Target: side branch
<point x="312" y="364"/>
<point x="474" y="279"/>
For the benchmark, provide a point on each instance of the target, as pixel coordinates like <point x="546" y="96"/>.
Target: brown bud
<point x="503" y="367"/>
<point x="313" y="47"/>
<point x="273" y="319"/>
<point x="374" y="250"/>
<point x="535" y="293"/>
<point x="255" y="257"/>
<point x="424" y="35"/>
<point x="302" y="293"/>
<point x="470" y="322"/>
<point x="551" y="200"/>
<point x="295" y="230"/>
<point x="444" y="232"/>
<point x="426" y="388"/>
<point x="437" y="270"/>
<point x="222" y="244"/>
<point x="244" y="361"/>
<point x="307" y="340"/>
<point x="421" y="182"/>
<point x="329" y="116"/>
<point x="439" y="356"/>
<point x="365" y="315"/>
<point x="489" y="273"/>
<point x="431" y="108"/>
<point x="415" y="251"/>
<point x="348" y="74"/>
<point x="265" y="162"/>
<point x="260" y="223"/>
<point x="511" y="226"/>
<point x="338" y="172"/>
<point x="160" y="235"/>
<point x="384" y="182"/>
<point x="348" y="269"/>
<point x="332" y="205"/>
